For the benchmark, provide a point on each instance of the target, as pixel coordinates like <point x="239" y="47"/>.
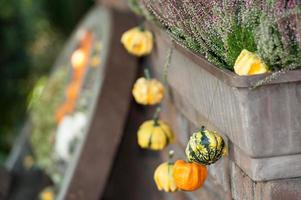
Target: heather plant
<point x="221" y="29"/>
<point x="279" y="35"/>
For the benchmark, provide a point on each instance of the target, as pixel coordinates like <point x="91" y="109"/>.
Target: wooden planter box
<point x="263" y="125"/>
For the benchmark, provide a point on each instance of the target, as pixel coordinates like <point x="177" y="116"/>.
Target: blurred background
<point x="32" y="32"/>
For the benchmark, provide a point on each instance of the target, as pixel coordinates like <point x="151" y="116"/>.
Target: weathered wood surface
<point x="105" y="133"/>
<point x="261" y="123"/>
<point x="226" y="179"/>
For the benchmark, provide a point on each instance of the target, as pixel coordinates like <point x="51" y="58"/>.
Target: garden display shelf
<point x="104" y="98"/>
<point x="263" y="125"/>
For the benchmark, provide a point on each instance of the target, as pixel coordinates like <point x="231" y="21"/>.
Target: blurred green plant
<point x="42" y="114"/>
<point x="31" y="34"/>
<point x="65" y="14"/>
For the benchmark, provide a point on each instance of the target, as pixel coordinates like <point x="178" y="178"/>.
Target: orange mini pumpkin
<point x="64" y="110"/>
<point x="61" y="112"/>
<point x="72" y="91"/>
<point x="78" y="74"/>
<point x="189" y="176"/>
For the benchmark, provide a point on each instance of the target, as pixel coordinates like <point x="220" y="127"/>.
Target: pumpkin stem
<point x="202" y="129"/>
<point x="142" y="27"/>
<point x="147" y="74"/>
<point x="156" y="116"/>
<point x="170" y="156"/>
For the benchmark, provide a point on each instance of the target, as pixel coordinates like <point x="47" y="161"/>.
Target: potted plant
<point x="260" y="114"/>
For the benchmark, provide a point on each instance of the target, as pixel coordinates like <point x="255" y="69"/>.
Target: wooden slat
<point x="97" y="156"/>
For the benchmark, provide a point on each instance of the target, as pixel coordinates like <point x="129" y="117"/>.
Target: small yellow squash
<point x="163" y="176"/>
<point x="78" y="59"/>
<point x="138" y="41"/>
<point x="154" y="135"/>
<point x="148" y="91"/>
<point x="47" y="194"/>
<point x="248" y="63"/>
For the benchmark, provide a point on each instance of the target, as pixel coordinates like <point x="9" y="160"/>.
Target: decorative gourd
<point x="205" y="147"/>
<point x="163" y="176"/>
<point x="78" y="59"/>
<point x="47" y="194"/>
<point x="189" y="176"/>
<point x="147" y="91"/>
<point x="72" y="91"/>
<point x="78" y="74"/>
<point x="63" y="110"/>
<point x="154" y="134"/>
<point x="69" y="130"/>
<point x="248" y="63"/>
<point x="138" y="41"/>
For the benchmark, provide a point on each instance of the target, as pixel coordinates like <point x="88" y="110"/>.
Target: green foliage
<point x="271" y="46"/>
<point x="31" y="34"/>
<point x="240" y="38"/>
<point x="43" y="115"/>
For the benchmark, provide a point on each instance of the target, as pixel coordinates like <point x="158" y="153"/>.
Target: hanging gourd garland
<point x="189" y="176"/>
<point x="138" y="41"/>
<point x="147" y="90"/>
<point x="154" y="134"/>
<point x="205" y="147"/>
<point x="163" y="175"/>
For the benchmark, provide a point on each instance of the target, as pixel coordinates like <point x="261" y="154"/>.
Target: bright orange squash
<point x="189" y="176"/>
<point x="64" y="110"/>
<point x="72" y="91"/>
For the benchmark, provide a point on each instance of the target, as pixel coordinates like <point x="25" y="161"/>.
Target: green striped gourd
<point x="205" y="147"/>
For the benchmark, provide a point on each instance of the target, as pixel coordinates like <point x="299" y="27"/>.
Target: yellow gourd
<point x="138" y="41"/>
<point x="248" y="63"/>
<point x="78" y="59"/>
<point x="47" y="194"/>
<point x="154" y="134"/>
<point x="148" y="91"/>
<point x="163" y="176"/>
